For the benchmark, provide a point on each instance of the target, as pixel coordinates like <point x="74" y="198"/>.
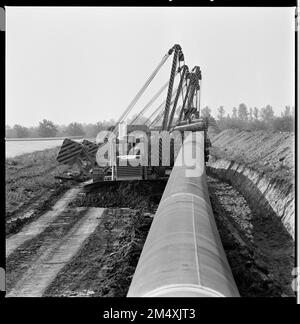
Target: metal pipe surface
<point x="183" y="255"/>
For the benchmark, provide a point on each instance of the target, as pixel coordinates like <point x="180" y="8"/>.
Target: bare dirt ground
<point x="65" y="260"/>
<point x="259" y="251"/>
<point x="41" y="223"/>
<point x="43" y="227"/>
<point x="48" y="261"/>
<point x="106" y="263"/>
<point x="90" y="245"/>
<point x="31" y="188"/>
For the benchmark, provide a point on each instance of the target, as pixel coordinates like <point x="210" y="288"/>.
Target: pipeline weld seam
<point x="195" y="242"/>
<point x="161" y="291"/>
<point x="185" y="194"/>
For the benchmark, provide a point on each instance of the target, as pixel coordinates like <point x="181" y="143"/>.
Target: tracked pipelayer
<point x="183" y="254"/>
<point x="162" y="119"/>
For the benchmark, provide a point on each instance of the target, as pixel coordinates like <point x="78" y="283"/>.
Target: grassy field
<point x="30" y="183"/>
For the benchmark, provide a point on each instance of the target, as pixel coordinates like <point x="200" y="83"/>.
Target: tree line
<point x="251" y="119"/>
<point x="242" y="117"/>
<point x="47" y="128"/>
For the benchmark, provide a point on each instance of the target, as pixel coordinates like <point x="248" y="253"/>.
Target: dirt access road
<point x="40" y="250"/>
<point x="94" y="248"/>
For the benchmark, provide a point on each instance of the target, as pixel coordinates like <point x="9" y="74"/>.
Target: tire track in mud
<point x="39" y="262"/>
<point x="29" y="252"/>
<point x="105" y="264"/>
<point x="38" y="226"/>
<point x="56" y="249"/>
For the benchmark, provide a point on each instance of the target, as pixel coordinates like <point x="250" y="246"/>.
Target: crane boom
<point x="178" y="55"/>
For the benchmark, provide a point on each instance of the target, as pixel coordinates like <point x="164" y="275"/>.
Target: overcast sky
<point x="86" y="64"/>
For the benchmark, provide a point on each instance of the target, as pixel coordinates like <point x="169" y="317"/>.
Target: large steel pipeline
<point x="183" y="255"/>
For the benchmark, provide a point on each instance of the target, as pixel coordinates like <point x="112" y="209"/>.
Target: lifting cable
<point x="184" y="78"/>
<point x="185" y="83"/>
<point x="160" y="114"/>
<point x="154" y="114"/>
<point x="180" y="87"/>
<point x="157" y="119"/>
<point x="159" y="111"/>
<point x="188" y="86"/>
<point x="160" y="107"/>
<point x="199" y="95"/>
<point x="170" y="89"/>
<point x="142" y="90"/>
<point x="159" y="92"/>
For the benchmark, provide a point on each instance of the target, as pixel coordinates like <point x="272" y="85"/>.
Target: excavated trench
<point x="272" y="198"/>
<point x="258" y="247"/>
<point x="260" y="252"/>
<point x="265" y="233"/>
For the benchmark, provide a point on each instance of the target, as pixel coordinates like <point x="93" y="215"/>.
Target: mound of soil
<point x="137" y="195"/>
<point x="267" y="151"/>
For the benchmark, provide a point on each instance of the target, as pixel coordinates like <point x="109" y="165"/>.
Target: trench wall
<point x="267" y="197"/>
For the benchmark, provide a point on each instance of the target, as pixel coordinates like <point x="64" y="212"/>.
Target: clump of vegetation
<point x="123" y="260"/>
<point x="251" y="119"/>
<point x="47" y="128"/>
